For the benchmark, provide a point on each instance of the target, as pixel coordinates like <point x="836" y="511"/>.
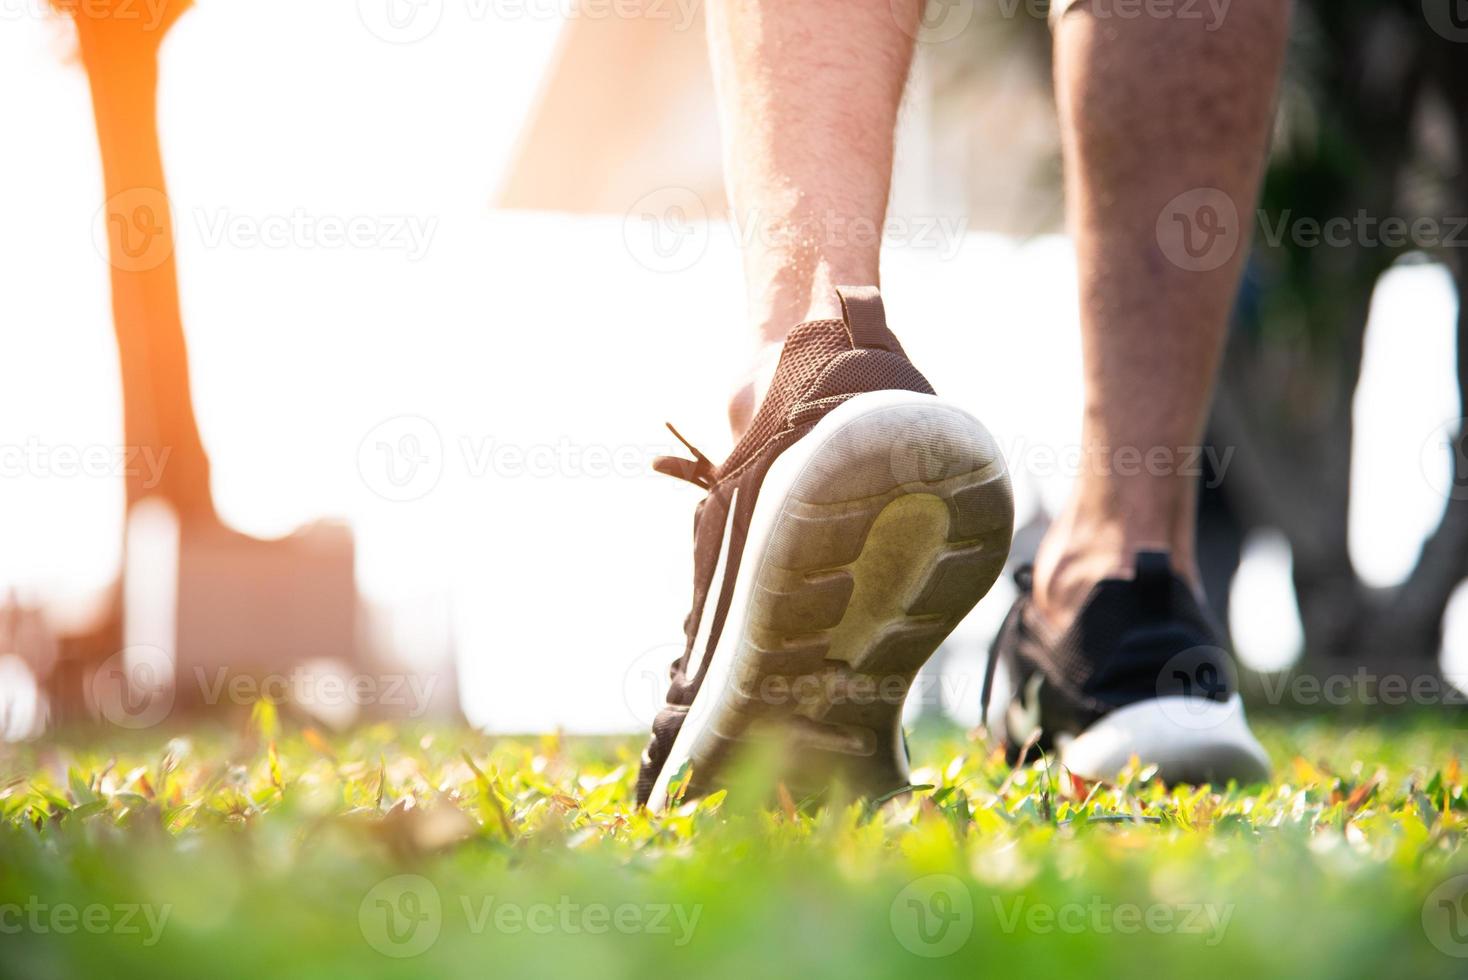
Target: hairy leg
<point x="808" y="95"/>
<point x="1165" y="124"/>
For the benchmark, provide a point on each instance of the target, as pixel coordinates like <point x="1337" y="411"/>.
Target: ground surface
<point x="414" y="852"/>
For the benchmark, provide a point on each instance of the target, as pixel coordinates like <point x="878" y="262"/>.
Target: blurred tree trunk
<point x="119" y="42"/>
<point x="1285" y="398"/>
<point x="119" y="48"/>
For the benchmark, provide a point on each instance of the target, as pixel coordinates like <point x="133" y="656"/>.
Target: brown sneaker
<point x="853" y="526"/>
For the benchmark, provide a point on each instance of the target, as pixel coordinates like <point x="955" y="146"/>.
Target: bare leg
<point x="808" y="96"/>
<point x="1152" y="108"/>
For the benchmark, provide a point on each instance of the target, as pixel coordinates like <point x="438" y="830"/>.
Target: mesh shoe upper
<point x="822" y="364"/>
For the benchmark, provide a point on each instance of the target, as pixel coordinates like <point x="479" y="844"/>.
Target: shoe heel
<point x="897" y="524"/>
<point x="874" y="535"/>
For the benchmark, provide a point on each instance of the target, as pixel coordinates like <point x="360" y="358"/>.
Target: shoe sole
<point x="872" y="537"/>
<point x="1190" y="740"/>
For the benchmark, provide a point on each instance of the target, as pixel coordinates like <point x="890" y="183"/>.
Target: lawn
<point x="411" y="851"/>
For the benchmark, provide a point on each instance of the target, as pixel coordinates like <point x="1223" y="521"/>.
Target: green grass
<point x="280" y="852"/>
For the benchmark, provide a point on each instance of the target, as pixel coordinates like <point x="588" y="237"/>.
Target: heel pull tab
<point x="866" y="319"/>
<point x="1154" y="581"/>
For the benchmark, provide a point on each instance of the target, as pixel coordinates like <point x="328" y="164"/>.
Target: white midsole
<point x="778" y="482"/>
<point x="1169" y="732"/>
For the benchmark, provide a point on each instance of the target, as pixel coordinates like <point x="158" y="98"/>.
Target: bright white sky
<point x="544" y="334"/>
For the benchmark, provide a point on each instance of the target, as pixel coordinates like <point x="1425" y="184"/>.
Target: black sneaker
<point x="1142" y="671"/>
<point x="853" y="526"/>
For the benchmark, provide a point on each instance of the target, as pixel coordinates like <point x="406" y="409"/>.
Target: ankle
<point x="1064" y="576"/>
<point x="778" y="306"/>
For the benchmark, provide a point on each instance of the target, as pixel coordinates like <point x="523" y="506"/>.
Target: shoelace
<point x="988" y="689"/>
<point x="1023" y="577"/>
<point x="698" y="471"/>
